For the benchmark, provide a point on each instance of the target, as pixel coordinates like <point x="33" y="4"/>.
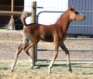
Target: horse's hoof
<point x="70" y="70"/>
<point x="31" y="67"/>
<point x="49" y="72"/>
<point x="36" y="67"/>
<point x="12" y="70"/>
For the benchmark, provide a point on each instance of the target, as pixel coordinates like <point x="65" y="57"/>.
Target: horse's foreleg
<point x="16" y="57"/>
<point x="68" y="56"/>
<point x="54" y="57"/>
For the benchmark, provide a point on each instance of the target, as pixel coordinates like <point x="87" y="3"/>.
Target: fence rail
<point x="80" y="50"/>
<point x="79" y="38"/>
<point x="71" y="50"/>
<point x="83" y="60"/>
<point x="9" y="13"/>
<point x="63" y="12"/>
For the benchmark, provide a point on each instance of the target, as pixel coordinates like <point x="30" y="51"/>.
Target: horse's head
<point x="75" y="15"/>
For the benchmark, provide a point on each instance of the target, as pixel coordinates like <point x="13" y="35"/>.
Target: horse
<point x="34" y="32"/>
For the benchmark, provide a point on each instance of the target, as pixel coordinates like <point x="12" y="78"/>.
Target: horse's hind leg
<point x="30" y="58"/>
<point x="26" y="49"/>
<point x="68" y="56"/>
<point x="16" y="57"/>
<point x="30" y="44"/>
<point x="24" y="44"/>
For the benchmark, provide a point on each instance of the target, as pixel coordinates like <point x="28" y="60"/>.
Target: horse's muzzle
<point x="84" y="17"/>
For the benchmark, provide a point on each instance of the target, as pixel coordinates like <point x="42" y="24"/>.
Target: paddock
<point x="10" y="40"/>
<point x="80" y="71"/>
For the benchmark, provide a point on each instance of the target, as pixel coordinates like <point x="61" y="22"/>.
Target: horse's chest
<point x="62" y="36"/>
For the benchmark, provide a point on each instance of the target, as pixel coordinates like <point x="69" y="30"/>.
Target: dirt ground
<point x="59" y="71"/>
<point x="10" y="40"/>
<point x="34" y="75"/>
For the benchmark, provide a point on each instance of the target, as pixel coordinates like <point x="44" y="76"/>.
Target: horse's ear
<point x="71" y="7"/>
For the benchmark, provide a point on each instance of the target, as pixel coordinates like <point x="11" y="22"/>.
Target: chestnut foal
<point x="56" y="33"/>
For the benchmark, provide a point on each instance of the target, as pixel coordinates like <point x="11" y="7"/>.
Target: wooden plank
<point x="9" y="13"/>
<point x="33" y="20"/>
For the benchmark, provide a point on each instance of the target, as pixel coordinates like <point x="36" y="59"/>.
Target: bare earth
<point x="10" y="40"/>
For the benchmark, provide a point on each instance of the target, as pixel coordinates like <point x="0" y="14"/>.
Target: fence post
<point x="33" y="20"/>
<point x="11" y="22"/>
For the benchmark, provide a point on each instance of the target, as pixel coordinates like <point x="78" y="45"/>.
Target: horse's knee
<point x="26" y="51"/>
<point x="55" y="55"/>
<point x="66" y="50"/>
<point x="20" y="46"/>
<point x="19" y="49"/>
<point x="67" y="53"/>
<point x="17" y="53"/>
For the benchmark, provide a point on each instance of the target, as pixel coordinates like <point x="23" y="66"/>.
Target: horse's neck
<point x="64" y="22"/>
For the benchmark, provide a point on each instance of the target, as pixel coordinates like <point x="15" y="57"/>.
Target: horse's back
<point x="41" y="32"/>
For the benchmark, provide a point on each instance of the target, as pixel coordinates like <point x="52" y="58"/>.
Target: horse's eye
<point x="76" y="12"/>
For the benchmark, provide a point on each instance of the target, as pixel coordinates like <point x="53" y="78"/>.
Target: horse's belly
<point x="48" y="38"/>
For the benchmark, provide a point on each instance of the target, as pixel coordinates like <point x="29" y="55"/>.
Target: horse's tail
<point x="24" y="16"/>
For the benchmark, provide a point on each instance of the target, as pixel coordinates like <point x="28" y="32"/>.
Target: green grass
<point x="58" y="67"/>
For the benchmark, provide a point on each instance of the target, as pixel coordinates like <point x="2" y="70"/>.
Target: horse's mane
<point x="61" y="16"/>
